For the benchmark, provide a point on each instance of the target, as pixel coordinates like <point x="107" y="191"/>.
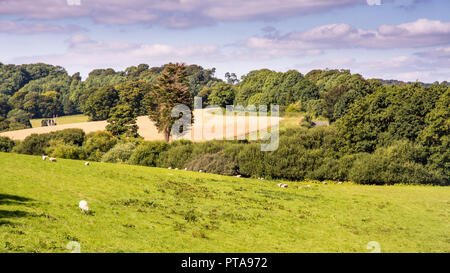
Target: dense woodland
<point x="381" y="132"/>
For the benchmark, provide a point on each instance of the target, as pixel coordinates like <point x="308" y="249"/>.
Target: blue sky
<point x="399" y="39"/>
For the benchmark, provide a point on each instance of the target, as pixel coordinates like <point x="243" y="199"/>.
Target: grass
<point x="35" y="123"/>
<point x="141" y="209"/>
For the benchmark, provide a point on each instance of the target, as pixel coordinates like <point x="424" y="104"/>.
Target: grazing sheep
<point x="170" y="168"/>
<point x="83" y="205"/>
<point x="238" y="175"/>
<point x="339" y="183"/>
<point x="185" y="169"/>
<point x="309" y="186"/>
<point x="324" y="183"/>
<point x="44" y="157"/>
<point x="176" y="168"/>
<point x="282" y="185"/>
<point x="200" y="171"/>
<point x="87" y="163"/>
<point x="52" y="159"/>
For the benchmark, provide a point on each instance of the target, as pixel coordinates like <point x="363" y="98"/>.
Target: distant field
<point x="208" y="130"/>
<point x="35" y="123"/>
<point x="142" y="209"/>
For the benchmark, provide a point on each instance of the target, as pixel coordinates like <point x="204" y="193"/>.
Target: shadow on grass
<point x="7" y="199"/>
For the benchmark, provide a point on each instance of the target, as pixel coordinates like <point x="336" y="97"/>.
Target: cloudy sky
<point x="391" y="39"/>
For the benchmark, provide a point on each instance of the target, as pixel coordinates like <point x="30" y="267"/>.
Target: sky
<point x="405" y="40"/>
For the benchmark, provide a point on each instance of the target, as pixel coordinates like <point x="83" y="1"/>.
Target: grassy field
<point x="35" y="123"/>
<point x="141" y="209"/>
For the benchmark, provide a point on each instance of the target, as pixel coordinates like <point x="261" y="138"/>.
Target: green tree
<point x="171" y="89"/>
<point x="100" y="102"/>
<point x="123" y="121"/>
<point x="222" y="94"/>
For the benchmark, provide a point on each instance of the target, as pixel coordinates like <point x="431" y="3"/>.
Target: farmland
<point x="143" y="209"/>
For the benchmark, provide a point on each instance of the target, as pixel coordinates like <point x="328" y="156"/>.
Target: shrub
<point x="334" y="169"/>
<point x="37" y="144"/>
<point x="33" y="145"/>
<point x="98" y="143"/>
<point x="6" y="144"/>
<point x="66" y="151"/>
<point x="178" y="154"/>
<point x="69" y="136"/>
<point x="217" y="163"/>
<point x="384" y="168"/>
<point x="119" y="153"/>
<point x="147" y="153"/>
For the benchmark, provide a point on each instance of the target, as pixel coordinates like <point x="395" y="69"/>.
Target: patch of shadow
<point x="8" y="199"/>
<point x="13" y="214"/>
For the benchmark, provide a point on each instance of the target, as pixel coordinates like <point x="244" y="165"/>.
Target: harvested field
<point x="206" y="127"/>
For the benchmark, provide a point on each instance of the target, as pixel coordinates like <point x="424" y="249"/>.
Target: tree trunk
<point x="167" y="135"/>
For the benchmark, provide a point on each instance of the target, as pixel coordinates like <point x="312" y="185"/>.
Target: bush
<point x="217" y="163"/>
<point x="176" y="156"/>
<point x="66" y="151"/>
<point x="98" y="143"/>
<point x="384" y="168"/>
<point x="119" y="153"/>
<point x="6" y="144"/>
<point x="37" y="144"/>
<point x="33" y="145"/>
<point x="147" y="153"/>
<point x="69" y="136"/>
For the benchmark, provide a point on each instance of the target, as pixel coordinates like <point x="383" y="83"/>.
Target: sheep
<point x="238" y="175"/>
<point x="339" y="183"/>
<point x="44" y="157"/>
<point x="87" y="163"/>
<point x="83" y="205"/>
<point x="185" y="169"/>
<point x="324" y="183"/>
<point x="170" y="168"/>
<point x="200" y="171"/>
<point x="281" y="185"/>
<point x="176" y="168"/>
<point x="309" y="186"/>
<point x="52" y="159"/>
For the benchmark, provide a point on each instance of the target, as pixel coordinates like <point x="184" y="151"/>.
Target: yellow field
<point x="206" y="127"/>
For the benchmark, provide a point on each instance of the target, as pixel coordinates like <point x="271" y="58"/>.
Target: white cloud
<point x="173" y="13"/>
<point x="421" y="33"/>
<point x="12" y="27"/>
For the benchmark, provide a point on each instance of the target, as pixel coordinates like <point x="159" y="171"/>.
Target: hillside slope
<point x="141" y="209"/>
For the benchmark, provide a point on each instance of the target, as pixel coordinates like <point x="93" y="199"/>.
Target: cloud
<point x="440" y="52"/>
<point x="86" y="52"/>
<point x="11" y="27"/>
<point x="420" y="33"/>
<point x="172" y="13"/>
<point x="405" y="68"/>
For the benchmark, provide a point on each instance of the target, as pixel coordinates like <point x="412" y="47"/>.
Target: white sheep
<point x="324" y="183"/>
<point x="52" y="159"/>
<point x="200" y="171"/>
<point x="339" y="183"/>
<point x="282" y="185"/>
<point x="176" y="168"/>
<point x="87" y="163"/>
<point x="238" y="175"/>
<point x="83" y="205"/>
<point x="185" y="169"/>
<point x="308" y="186"/>
<point x="44" y="157"/>
<point x="170" y="168"/>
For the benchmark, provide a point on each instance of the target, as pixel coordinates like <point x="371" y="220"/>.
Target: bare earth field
<point x="206" y="127"/>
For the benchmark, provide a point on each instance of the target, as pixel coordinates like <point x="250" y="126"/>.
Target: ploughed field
<point x="142" y="209"/>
